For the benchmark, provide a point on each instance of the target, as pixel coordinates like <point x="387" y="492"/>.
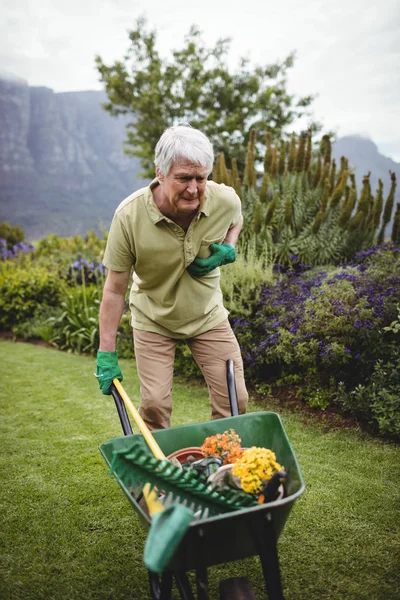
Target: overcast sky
<point x="348" y="51"/>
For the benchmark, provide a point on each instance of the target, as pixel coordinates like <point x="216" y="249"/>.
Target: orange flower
<point x="226" y="445"/>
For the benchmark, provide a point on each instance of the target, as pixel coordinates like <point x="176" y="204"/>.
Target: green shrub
<point x="73" y="258"/>
<point x="40" y="326"/>
<point x="185" y="365"/>
<point x="378" y="401"/>
<point x="22" y="291"/>
<point x="77" y="328"/>
<point x="13" y="234"/>
<point x="125" y="336"/>
<point x="61" y="249"/>
<point x="241" y="281"/>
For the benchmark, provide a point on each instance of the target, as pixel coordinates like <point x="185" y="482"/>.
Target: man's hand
<point x="222" y="254"/>
<point x="107" y="369"/>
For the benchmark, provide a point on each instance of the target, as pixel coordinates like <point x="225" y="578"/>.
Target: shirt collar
<point x="154" y="213"/>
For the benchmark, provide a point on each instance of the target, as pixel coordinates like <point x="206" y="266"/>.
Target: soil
<point x="287" y="399"/>
<point x="8" y="335"/>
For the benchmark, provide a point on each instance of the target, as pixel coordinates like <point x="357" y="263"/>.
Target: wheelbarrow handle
<point x="123" y="415"/>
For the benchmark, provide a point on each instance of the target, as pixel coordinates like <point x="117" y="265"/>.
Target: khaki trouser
<point x="155" y="356"/>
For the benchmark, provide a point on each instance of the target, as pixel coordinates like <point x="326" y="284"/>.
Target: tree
<point x="13" y="234"/>
<point x="196" y="85"/>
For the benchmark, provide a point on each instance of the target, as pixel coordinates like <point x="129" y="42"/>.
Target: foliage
<point x="387" y="213"/>
<point x="63" y="264"/>
<point x="22" y="291"/>
<point x="70" y="254"/>
<point x="83" y="271"/>
<point x="125" y="335"/>
<point x="379" y="400"/>
<point x="241" y="281"/>
<point x="15" y="251"/>
<point x="76" y="329"/>
<point x="185" y="365"/>
<point x="323" y="327"/>
<point x="39" y="326"/>
<point x="12" y="234"/>
<point x="301" y="204"/>
<point x="196" y="85"/>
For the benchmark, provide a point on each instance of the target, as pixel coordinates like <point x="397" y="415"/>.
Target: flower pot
<point x="185" y="453"/>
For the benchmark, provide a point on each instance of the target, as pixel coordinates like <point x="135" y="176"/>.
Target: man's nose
<point x="192" y="186"/>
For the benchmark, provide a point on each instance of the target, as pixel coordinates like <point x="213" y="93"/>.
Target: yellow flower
<point x="256" y="466"/>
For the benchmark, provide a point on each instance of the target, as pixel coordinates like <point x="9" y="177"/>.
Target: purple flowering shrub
<point x="15" y="251"/>
<point x="316" y="328"/>
<point x="77" y="259"/>
<point x="86" y="271"/>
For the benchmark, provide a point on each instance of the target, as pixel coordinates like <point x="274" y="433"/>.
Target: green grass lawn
<point x="67" y="530"/>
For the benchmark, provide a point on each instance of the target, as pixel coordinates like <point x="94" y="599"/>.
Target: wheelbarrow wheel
<point x="236" y="588"/>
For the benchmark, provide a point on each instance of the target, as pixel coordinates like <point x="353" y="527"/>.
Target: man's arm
<point x="111" y="308"/>
<point x="233" y="233"/>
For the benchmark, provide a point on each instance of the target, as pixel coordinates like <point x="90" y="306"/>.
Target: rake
<point x="178" y="486"/>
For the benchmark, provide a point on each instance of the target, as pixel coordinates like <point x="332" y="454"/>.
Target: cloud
<point x="347" y="52"/>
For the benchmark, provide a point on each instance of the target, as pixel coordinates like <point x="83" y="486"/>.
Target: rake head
<point x="134" y="467"/>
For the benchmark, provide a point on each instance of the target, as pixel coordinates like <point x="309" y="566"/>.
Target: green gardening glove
<point x="222" y="254"/>
<point x="107" y="369"/>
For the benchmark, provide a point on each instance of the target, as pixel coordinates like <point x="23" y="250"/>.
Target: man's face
<point x="183" y="188"/>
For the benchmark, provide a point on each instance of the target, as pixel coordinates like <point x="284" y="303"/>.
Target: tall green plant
<point x="387" y="213"/>
<point x="76" y="329"/>
<point x="298" y="203"/>
<point x="241" y="283"/>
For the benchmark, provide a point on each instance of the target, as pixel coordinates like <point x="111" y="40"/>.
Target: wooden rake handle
<point x="144" y="430"/>
<point x="153" y="504"/>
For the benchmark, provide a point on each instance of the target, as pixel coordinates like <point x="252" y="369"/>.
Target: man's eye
<point x="185" y="179"/>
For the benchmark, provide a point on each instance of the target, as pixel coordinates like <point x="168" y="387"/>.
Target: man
<point x="174" y="234"/>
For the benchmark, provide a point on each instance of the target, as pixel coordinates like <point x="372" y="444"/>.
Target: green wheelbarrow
<point x="225" y="537"/>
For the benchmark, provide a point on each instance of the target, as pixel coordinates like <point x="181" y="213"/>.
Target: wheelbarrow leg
<point x="154" y="582"/>
<point x="265" y="539"/>
<point x="166" y="586"/>
<point x="160" y="591"/>
<point x="183" y="584"/>
<point x="202" y="583"/>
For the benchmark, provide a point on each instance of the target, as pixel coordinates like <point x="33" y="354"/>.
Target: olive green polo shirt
<point x="164" y="298"/>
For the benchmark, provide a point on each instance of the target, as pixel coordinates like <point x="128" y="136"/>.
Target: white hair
<point x="183" y="142"/>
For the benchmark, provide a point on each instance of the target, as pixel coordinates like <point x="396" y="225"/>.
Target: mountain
<point x="63" y="169"/>
<point x="62" y="165"/>
<point x="363" y="156"/>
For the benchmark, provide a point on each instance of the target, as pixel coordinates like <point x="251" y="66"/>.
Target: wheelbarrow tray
<point x="229" y="536"/>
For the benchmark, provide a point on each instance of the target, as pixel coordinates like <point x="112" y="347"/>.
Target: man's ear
<point x="160" y="177"/>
